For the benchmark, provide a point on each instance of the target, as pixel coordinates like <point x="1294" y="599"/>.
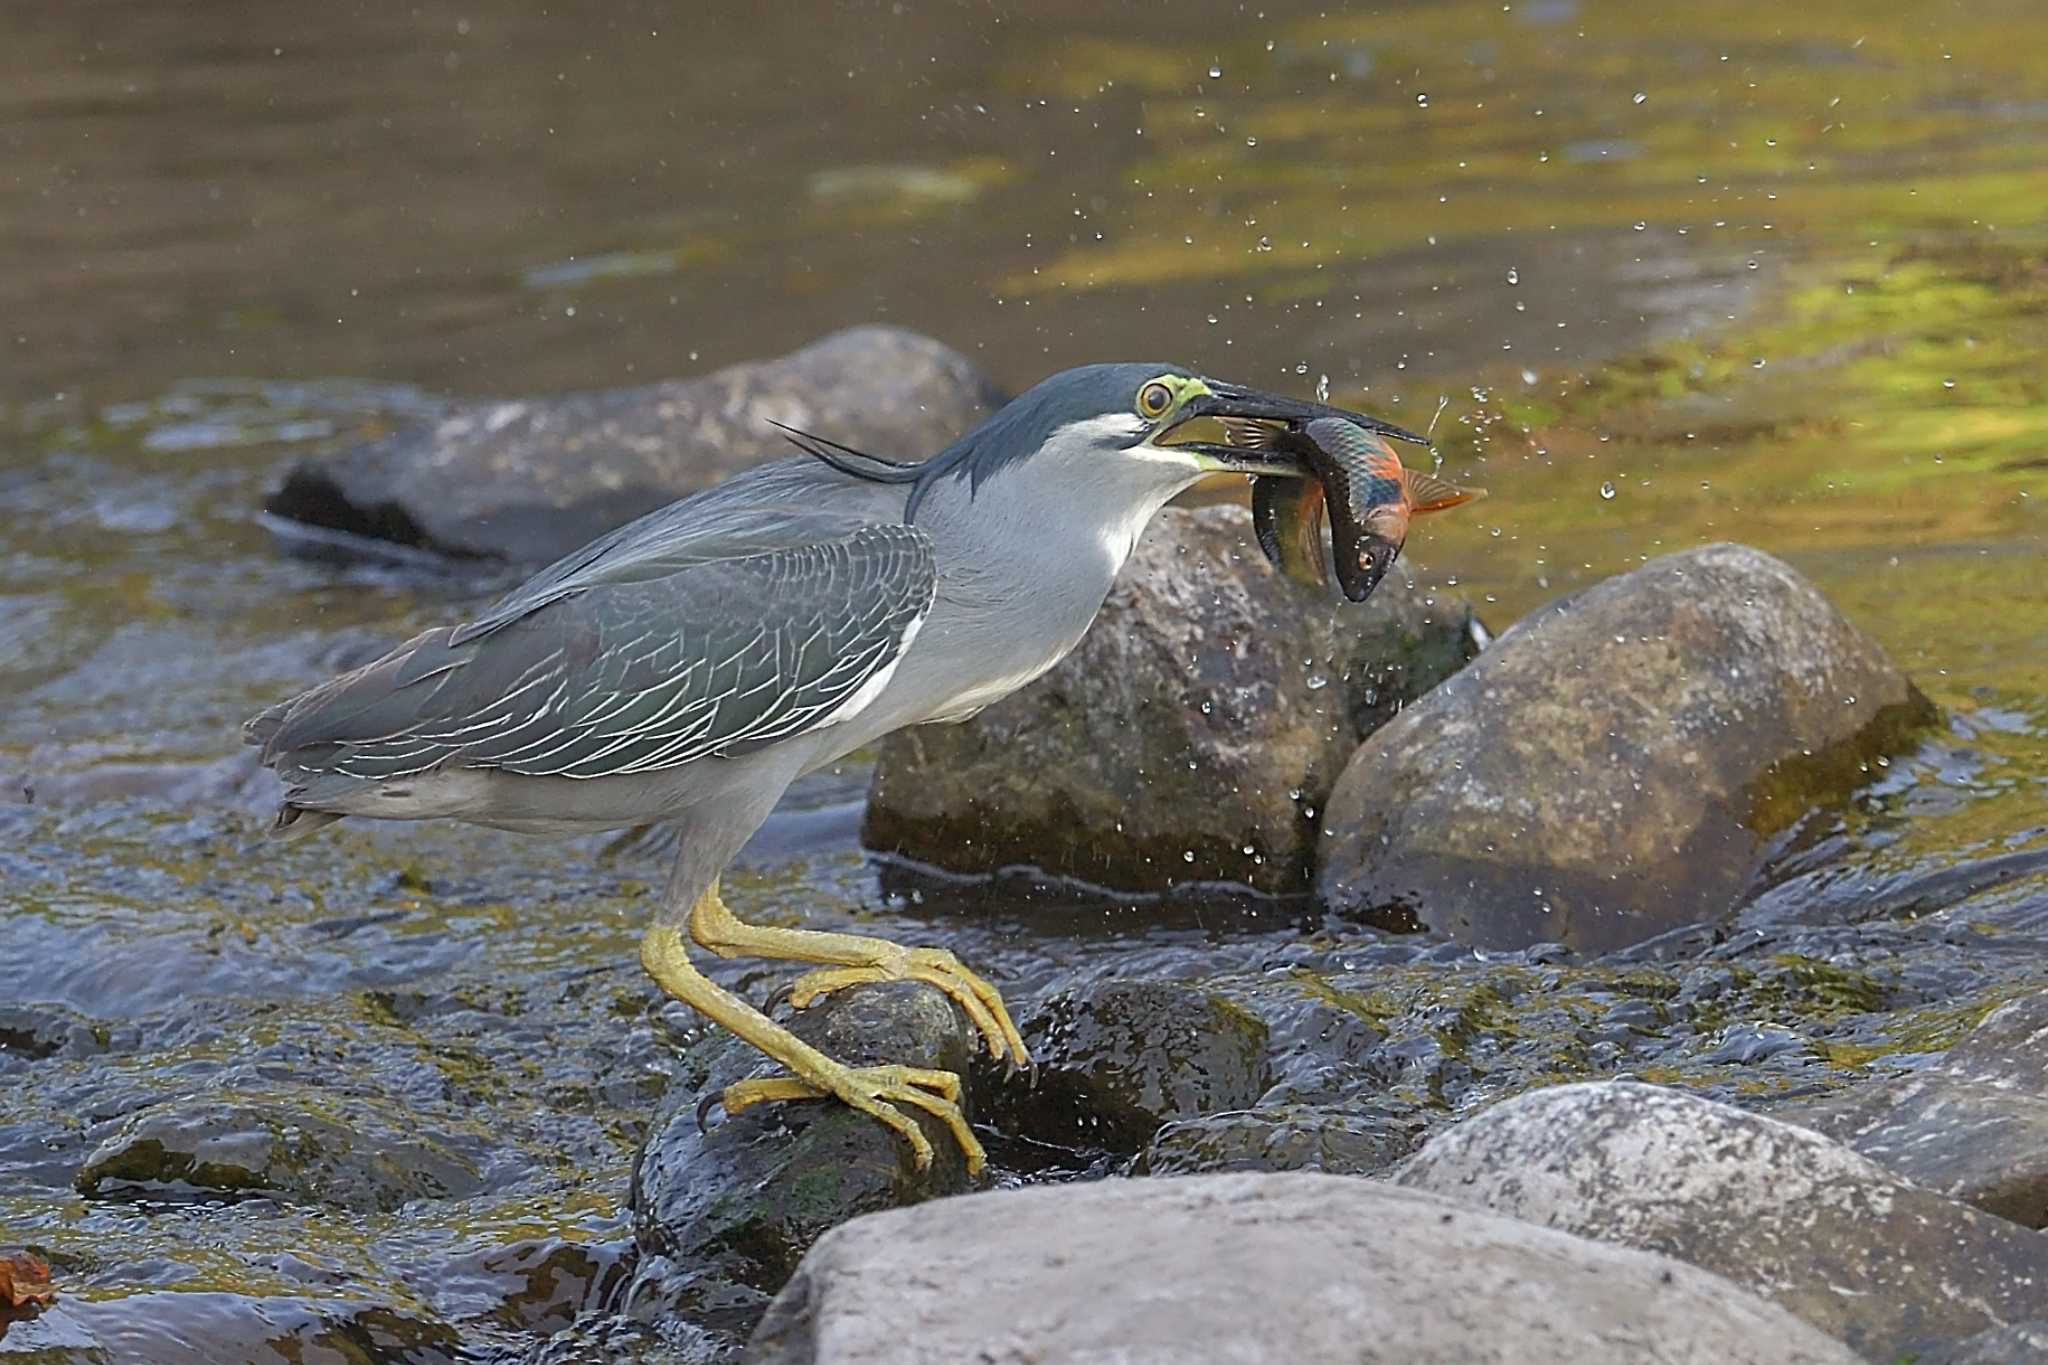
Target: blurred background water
<point x="1771" y="273"/>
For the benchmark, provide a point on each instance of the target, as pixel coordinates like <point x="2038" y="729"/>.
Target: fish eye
<point x="1154" y="399"/>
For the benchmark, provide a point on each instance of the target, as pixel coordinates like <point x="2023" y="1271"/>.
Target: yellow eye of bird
<point x="1154" y="399"/>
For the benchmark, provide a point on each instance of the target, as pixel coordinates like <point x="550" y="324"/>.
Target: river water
<point x="1657" y="276"/>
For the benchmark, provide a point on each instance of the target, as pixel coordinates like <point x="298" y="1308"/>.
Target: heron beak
<point x="1242" y="430"/>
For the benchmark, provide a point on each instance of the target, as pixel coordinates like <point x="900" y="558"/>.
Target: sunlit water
<point x="1773" y="274"/>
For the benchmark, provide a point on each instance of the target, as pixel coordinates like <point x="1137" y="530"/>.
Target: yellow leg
<point x="874" y="1090"/>
<point x="858" y="959"/>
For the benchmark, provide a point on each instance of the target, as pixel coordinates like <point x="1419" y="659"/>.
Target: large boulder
<point x="1974" y="1126"/>
<point x="1190" y="737"/>
<point x="1251" y="1268"/>
<point x="529" y="480"/>
<point x="1609" y="769"/>
<point x="1888" y="1267"/>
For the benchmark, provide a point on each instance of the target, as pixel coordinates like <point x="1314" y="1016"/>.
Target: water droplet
<point x="1187" y="856"/>
<point x="1758" y="363"/>
<point x="1317" y="682"/>
<point x="1514" y="275"/>
<point x="1265" y="243"/>
<point x="1251" y="142"/>
<point x="1607" y="490"/>
<point x="1422" y="99"/>
<point x="1948" y="383"/>
<point x="1215" y="74"/>
<point x="1640" y="97"/>
<point x="1641" y="226"/>
<point x="1301" y="367"/>
<point x="1322" y="388"/>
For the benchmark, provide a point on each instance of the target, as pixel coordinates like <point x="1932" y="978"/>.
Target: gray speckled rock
<point x="529" y="480"/>
<point x="1300" y="1268"/>
<point x="1608" y="769"/>
<point x="1189" y="736"/>
<point x="1829" y="1235"/>
<point x="1974" y="1127"/>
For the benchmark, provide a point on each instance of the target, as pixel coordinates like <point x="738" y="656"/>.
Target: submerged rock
<point x="1609" y="768"/>
<point x="1117" y="1059"/>
<point x="1190" y="737"/>
<point x="1362" y="1138"/>
<point x="1885" y="1266"/>
<point x="722" y="1215"/>
<point x="200" y="1147"/>
<point x="1304" y="1268"/>
<point x="1974" y="1127"/>
<point x="187" y="1327"/>
<point x="532" y="479"/>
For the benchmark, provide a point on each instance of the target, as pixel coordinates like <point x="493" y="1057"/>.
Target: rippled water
<point x="1768" y="273"/>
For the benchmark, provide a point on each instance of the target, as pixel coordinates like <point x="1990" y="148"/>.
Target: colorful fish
<point x="1360" y="487"/>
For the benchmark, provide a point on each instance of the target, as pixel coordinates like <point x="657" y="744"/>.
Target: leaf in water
<point x="24" y="1285"/>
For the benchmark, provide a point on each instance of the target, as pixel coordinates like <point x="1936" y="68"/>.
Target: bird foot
<point x="876" y="1091"/>
<point x="935" y="967"/>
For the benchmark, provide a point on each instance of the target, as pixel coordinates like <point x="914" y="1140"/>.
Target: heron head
<point x="1144" y="424"/>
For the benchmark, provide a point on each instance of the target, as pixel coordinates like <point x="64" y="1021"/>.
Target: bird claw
<point x="935" y="967"/>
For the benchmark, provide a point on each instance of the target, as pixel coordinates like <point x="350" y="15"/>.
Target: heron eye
<point x="1154" y="399"/>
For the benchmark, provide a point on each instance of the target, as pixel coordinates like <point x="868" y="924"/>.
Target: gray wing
<point x="641" y="659"/>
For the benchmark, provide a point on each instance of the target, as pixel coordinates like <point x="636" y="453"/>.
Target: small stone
<point x="1117" y="1059"/>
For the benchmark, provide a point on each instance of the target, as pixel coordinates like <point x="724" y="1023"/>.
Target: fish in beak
<point x="1313" y="465"/>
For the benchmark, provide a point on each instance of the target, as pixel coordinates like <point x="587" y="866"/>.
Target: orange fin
<point x="1428" y="493"/>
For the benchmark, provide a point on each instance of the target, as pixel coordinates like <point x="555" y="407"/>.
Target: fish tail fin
<point x="1428" y="493"/>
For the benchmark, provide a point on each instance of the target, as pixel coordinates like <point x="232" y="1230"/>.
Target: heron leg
<point x="877" y="1091"/>
<point x="857" y="959"/>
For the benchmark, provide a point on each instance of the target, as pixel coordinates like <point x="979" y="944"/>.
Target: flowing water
<point x="1657" y="275"/>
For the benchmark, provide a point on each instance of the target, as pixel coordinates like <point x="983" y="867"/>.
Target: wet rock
<point x="1885" y="1266"/>
<point x="1358" y="1139"/>
<point x="33" y="1033"/>
<point x="1975" y="1126"/>
<point x="530" y="480"/>
<point x="2023" y="1343"/>
<point x="237" y="1148"/>
<point x="1191" y="735"/>
<point x="201" y="1328"/>
<point x="1117" y="1059"/>
<point x="1298" y="1267"/>
<point x="1608" y="769"/>
<point x="723" y="1216"/>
